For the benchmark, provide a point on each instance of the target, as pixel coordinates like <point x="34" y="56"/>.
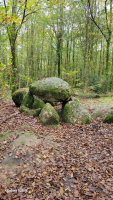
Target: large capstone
<point x="75" y="113"/>
<point x="51" y="89"/>
<point x="19" y="95"/>
<point x="49" y="115"/>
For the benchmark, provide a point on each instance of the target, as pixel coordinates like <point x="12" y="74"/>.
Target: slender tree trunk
<point x="107" y="35"/>
<point x="108" y="54"/>
<point x="14" y="67"/>
<point x="58" y="55"/>
<point x="12" y="30"/>
<point x="59" y="36"/>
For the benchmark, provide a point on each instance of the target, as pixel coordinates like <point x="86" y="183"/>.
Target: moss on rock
<point x="49" y="115"/>
<point x="37" y="112"/>
<point x="75" y="113"/>
<point x="74" y="99"/>
<point x="26" y="110"/>
<point x="18" y="96"/>
<point x="108" y="118"/>
<point x="23" y="108"/>
<point x="97" y="113"/>
<point x="51" y="89"/>
<point x="28" y="100"/>
<point x="38" y="103"/>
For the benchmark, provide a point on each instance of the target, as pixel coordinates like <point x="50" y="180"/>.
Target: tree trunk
<point x="14" y="67"/>
<point x="108" y="53"/>
<point x="58" y="55"/>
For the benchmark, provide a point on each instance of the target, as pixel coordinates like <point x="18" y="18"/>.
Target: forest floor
<point x="54" y="163"/>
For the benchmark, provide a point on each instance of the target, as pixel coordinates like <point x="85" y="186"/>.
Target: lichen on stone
<point x="52" y="89"/>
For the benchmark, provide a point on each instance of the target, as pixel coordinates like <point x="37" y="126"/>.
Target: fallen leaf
<point x="61" y="190"/>
<point x="76" y="193"/>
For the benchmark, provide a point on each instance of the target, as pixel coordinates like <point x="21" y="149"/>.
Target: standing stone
<point x="75" y="113"/>
<point x="49" y="115"/>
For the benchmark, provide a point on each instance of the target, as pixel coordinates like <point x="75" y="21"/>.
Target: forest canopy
<point x="67" y="39"/>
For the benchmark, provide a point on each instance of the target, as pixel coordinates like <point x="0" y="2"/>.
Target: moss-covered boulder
<point x="51" y="89"/>
<point x="108" y="118"/>
<point x="37" y="112"/>
<point x="28" y="100"/>
<point x="23" y="108"/>
<point x="75" y="113"/>
<point x="38" y="103"/>
<point x="97" y="113"/>
<point x="18" y="96"/>
<point x="26" y="110"/>
<point x="49" y="115"/>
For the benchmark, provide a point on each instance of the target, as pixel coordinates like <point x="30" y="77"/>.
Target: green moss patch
<point x="28" y="100"/>
<point x="108" y="118"/>
<point x="38" y="103"/>
<point x="37" y="112"/>
<point x="5" y="135"/>
<point x="26" y="110"/>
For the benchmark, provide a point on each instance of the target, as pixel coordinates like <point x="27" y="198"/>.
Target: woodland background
<point x="71" y="40"/>
<point x="67" y="39"/>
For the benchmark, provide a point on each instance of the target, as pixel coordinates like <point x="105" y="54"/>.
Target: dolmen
<point x="41" y="96"/>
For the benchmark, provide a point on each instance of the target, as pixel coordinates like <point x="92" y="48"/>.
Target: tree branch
<point x="24" y="13"/>
<point x="35" y="11"/>
<point x="22" y="17"/>
<point x="93" y="19"/>
<point x="8" y="118"/>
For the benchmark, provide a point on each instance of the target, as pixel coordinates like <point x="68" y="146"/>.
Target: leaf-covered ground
<point x="54" y="163"/>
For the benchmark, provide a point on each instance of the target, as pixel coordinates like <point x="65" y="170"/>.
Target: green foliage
<point x="24" y="79"/>
<point x="108" y="118"/>
<point x="98" y="82"/>
<point x="80" y="85"/>
<point x="68" y="73"/>
<point x="82" y="49"/>
<point x="4" y="84"/>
